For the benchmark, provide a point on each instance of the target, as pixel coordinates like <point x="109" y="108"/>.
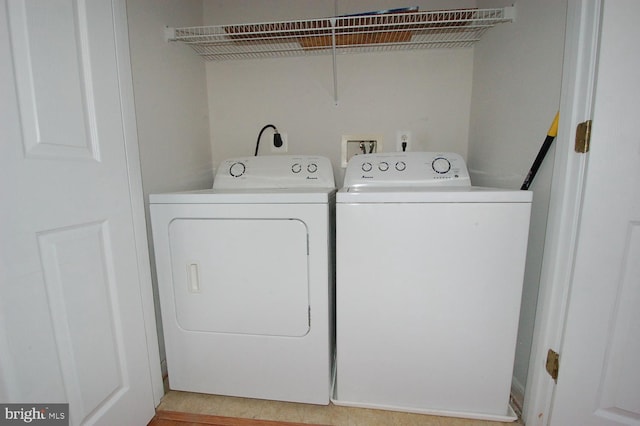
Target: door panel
<point x="247" y="276"/>
<point x="620" y="383"/>
<point x="77" y="265"/>
<point x="72" y="327"/>
<point x="55" y="107"/>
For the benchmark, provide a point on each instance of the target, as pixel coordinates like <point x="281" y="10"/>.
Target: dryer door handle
<point x="193" y="273"/>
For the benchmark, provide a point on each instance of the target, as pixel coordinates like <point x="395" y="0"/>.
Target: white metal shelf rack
<point x="342" y="35"/>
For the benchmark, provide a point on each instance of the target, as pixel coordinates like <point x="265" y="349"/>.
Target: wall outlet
<point x="403" y="140"/>
<point x="359" y="144"/>
<point x="282" y="149"/>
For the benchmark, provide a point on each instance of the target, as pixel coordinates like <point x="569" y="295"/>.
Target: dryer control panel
<point x="275" y="171"/>
<point x="395" y="169"/>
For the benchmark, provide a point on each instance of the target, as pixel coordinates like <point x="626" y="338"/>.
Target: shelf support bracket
<point x="335" y="65"/>
<point x="169" y="34"/>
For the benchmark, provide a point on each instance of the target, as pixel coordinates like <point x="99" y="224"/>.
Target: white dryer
<point x="245" y="275"/>
<point x="429" y="274"/>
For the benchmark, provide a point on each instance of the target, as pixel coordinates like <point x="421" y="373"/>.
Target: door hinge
<point x="583" y="137"/>
<point x="553" y="364"/>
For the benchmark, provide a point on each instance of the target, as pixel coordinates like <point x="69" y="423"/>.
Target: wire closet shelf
<point x="342" y="35"/>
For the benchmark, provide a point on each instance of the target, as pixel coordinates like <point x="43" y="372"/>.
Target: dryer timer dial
<point x="237" y="169"/>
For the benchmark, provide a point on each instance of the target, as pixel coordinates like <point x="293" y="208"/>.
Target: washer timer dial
<point x="441" y="165"/>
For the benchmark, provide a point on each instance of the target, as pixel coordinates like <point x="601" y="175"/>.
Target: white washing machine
<point x="429" y="274"/>
<point x="246" y="280"/>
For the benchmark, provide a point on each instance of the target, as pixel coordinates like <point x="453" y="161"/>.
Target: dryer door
<point x="246" y="276"/>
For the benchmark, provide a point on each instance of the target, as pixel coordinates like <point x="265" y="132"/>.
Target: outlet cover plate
<point x="403" y="136"/>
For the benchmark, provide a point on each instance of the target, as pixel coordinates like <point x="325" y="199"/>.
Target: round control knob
<point x="441" y="165"/>
<point x="383" y="166"/>
<point x="237" y="169"/>
<point x="296" y="168"/>
<point x="401" y="166"/>
<point x="366" y="167"/>
<point x="312" y="168"/>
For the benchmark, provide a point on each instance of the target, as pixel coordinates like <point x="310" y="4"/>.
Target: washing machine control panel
<point x="407" y="169"/>
<point x="275" y="171"/>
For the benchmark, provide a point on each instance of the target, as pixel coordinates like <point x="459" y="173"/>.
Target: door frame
<point x="125" y="79"/>
<point x="576" y="103"/>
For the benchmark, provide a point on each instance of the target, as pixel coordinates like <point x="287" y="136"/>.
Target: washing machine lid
<point x="441" y="194"/>
<point x="247" y="196"/>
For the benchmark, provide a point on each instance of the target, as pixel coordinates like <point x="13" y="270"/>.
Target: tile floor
<point x="305" y="413"/>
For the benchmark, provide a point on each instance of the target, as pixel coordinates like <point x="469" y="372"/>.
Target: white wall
<point x="170" y="95"/>
<point x="516" y="94"/>
<point x="171" y="105"/>
<point x="427" y="92"/>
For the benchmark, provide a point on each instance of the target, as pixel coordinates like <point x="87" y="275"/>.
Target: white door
<point x="599" y="379"/>
<point x="72" y="325"/>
